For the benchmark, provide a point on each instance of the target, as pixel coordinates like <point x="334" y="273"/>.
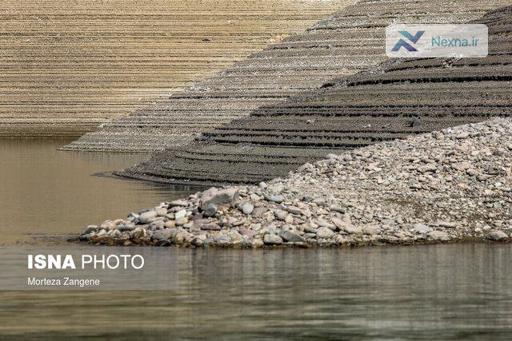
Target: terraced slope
<point x="347" y="42"/>
<point x="397" y="99"/>
<point x="68" y="66"/>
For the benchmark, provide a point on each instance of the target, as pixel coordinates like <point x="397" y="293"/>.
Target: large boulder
<point x="218" y="197"/>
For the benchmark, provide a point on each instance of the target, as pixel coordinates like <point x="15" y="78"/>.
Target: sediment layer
<point x="397" y="99"/>
<point x="69" y="66"/>
<point x="345" y="43"/>
<point x="445" y="186"/>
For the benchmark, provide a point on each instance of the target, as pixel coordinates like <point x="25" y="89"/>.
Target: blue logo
<point x="412" y="38"/>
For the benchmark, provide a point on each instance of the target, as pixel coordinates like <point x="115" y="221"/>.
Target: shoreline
<point x="404" y="243"/>
<point x="449" y="185"/>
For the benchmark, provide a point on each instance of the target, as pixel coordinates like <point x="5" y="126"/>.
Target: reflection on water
<point x="429" y="292"/>
<point x="44" y="191"/>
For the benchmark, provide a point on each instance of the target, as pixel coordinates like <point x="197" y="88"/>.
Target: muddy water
<point x="45" y="193"/>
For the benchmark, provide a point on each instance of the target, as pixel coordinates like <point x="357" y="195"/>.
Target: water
<point x="45" y="192"/>
<point x="445" y="292"/>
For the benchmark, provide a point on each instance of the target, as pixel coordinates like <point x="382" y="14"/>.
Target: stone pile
<point x="449" y="185"/>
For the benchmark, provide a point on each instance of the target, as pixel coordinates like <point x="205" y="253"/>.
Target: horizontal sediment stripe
<point x="397" y="99"/>
<point x="348" y="42"/>
<point x="78" y="64"/>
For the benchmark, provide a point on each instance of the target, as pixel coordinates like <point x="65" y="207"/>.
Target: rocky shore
<point x="449" y="185"/>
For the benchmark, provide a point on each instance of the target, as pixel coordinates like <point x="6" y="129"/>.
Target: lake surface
<point x="443" y="292"/>
<point x="45" y="192"/>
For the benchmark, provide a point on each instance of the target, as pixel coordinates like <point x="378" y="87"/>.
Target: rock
<point x="306" y="168"/>
<point x="497" y="235"/>
<point x="324" y="232"/>
<point x="319" y="201"/>
<point x="147" y="217"/>
<point x="246" y="207"/>
<point x="178" y="203"/>
<point x="439" y="235"/>
<point x="275" y="198"/>
<point x="180" y="214"/>
<point x="247" y="232"/>
<point x="345" y="225"/>
<point x="139" y="234"/>
<point x="291" y="237"/>
<point x="447" y="224"/>
<point x="181" y="221"/>
<point x="280" y="214"/>
<point x="272" y="239"/>
<point x="257" y="243"/>
<point x="156" y="225"/>
<point x="126" y="226"/>
<point x="161" y="211"/>
<point x="210" y="210"/>
<point x="310" y="228"/>
<point x="275" y="188"/>
<point x="235" y="237"/>
<point x="183" y="238"/>
<point x="170" y="224"/>
<point x="293" y="210"/>
<point x="163" y="235"/>
<point x="421" y="228"/>
<point x="90" y="229"/>
<point x="108" y="225"/>
<point x="323" y="223"/>
<point x="336" y="208"/>
<point x="258" y="212"/>
<point x="218" y="196"/>
<point x="371" y="229"/>
<point x="210" y="227"/>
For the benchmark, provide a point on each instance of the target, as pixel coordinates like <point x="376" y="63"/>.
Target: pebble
<point x="275" y="198"/>
<point x="246" y="208"/>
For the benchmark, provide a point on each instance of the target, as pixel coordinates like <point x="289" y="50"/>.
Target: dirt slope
<point x="395" y="100"/>
<point x="68" y="66"/>
<point x="345" y="43"/>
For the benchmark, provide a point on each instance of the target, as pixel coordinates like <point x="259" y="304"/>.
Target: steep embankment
<point x="437" y="187"/>
<point x="68" y="66"/>
<point x="395" y="100"/>
<point x="343" y="44"/>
